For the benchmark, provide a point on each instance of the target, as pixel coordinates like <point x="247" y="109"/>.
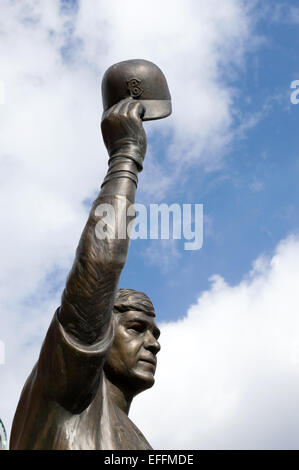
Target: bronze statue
<point x="100" y="349"/>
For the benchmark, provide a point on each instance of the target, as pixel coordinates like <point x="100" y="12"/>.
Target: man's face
<point x="132" y="358"/>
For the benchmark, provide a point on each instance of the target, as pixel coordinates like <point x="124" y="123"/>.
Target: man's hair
<point x="130" y="299"/>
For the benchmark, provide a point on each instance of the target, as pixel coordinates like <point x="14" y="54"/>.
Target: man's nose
<point x="151" y="343"/>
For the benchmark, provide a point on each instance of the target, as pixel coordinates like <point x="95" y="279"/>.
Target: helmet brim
<point x="156" y="109"/>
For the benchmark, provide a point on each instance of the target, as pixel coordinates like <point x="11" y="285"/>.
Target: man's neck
<point x="119" y="398"/>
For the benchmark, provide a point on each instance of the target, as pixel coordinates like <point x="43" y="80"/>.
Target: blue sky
<point x="231" y="144"/>
<point x="251" y="201"/>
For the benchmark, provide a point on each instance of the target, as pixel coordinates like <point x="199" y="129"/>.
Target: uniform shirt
<point x="65" y="403"/>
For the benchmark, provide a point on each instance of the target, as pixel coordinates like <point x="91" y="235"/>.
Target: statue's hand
<point x="123" y="131"/>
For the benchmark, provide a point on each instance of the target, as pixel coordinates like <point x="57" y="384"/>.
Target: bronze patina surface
<point x="100" y="349"/>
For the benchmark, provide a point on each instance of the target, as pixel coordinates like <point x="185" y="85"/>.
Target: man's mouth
<point x="149" y="360"/>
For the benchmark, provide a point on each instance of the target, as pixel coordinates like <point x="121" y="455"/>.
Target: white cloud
<point x="197" y="43"/>
<point x="228" y="372"/>
<point x="2" y="352"/>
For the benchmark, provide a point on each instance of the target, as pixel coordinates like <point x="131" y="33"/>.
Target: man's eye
<point x="137" y="327"/>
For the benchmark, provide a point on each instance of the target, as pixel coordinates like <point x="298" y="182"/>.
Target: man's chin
<point x="137" y="380"/>
<point x="143" y="380"/>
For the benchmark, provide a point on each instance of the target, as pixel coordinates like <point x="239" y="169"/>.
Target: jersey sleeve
<point x="68" y="371"/>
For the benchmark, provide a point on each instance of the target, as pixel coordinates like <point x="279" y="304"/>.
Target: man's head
<point x="131" y="362"/>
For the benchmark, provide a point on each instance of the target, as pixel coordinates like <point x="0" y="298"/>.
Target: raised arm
<point x="69" y="368"/>
<point x="88" y="297"/>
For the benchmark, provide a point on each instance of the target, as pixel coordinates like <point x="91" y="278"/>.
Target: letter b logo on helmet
<point x="134" y="88"/>
<point x="142" y="80"/>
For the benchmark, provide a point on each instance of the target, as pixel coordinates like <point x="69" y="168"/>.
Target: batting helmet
<point x="143" y="81"/>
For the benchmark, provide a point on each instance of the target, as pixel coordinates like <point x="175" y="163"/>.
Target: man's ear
<point x="116" y="318"/>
